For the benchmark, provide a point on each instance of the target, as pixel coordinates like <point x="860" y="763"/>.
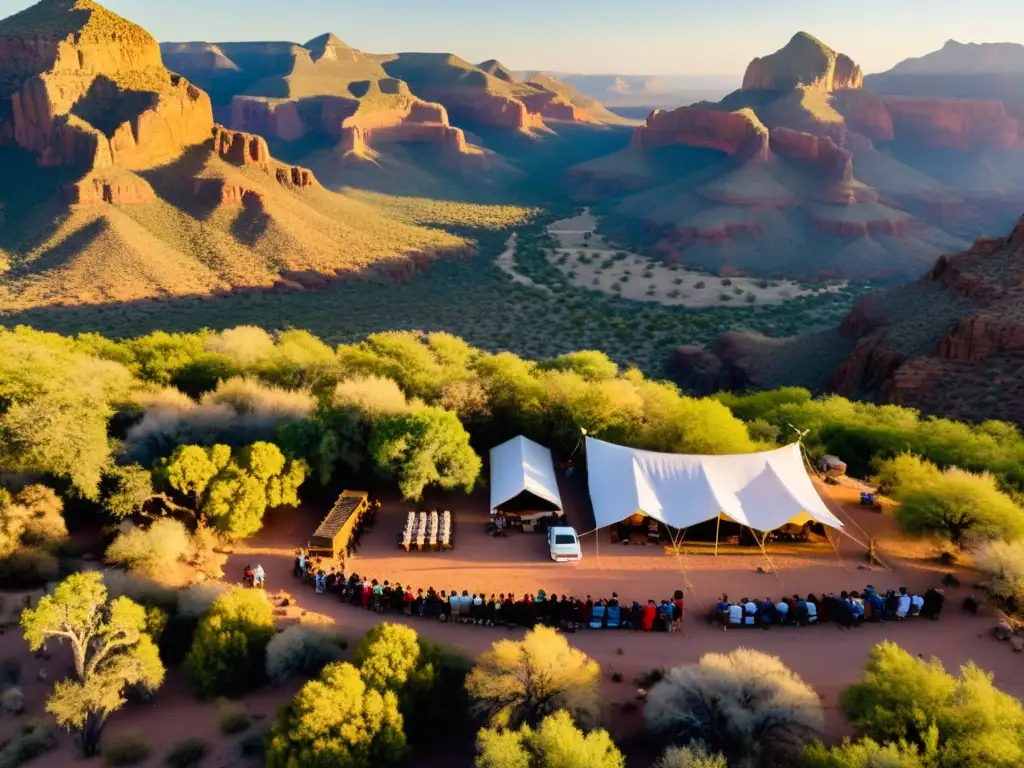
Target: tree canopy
<point x="966" y="721"/>
<point x="110" y="646"/>
<point x="337" y="721"/>
<point x="519" y="682"/>
<point x="556" y="743"/>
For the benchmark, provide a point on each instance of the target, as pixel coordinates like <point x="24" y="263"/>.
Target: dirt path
<point x="506" y="262"/>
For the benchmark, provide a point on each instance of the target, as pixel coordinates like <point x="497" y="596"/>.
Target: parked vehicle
<point x="564" y="544"/>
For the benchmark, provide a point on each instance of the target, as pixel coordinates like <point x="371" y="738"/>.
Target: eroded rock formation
<point x="942" y="123"/>
<point x="735" y="133"/>
<point x="803" y="62"/>
<point x="89" y="89"/>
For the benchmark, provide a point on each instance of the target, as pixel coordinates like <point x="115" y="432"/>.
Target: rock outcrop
<point x="88" y="89"/>
<point x="803" y="62"/>
<point x="735" y="133"/>
<point x="819" y="151"/>
<point x="941" y="123"/>
<point x="118" y="189"/>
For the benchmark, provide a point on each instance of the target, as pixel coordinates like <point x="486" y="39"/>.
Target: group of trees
<point x="536" y="701"/>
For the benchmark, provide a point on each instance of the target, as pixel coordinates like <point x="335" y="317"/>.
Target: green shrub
<point x="228" y="654"/>
<point x="186" y="754"/>
<point x="254" y="744"/>
<point x="231" y="718"/>
<point x="28" y="568"/>
<point x="343" y="721"/>
<point x="128" y="749"/>
<point x="966" y="720"/>
<point x="34" y="740"/>
<point x="556" y="742"/>
<point x="866" y="753"/>
<point x="12" y="701"/>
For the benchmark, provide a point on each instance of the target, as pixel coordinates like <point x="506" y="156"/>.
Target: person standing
<point x="259" y="576"/>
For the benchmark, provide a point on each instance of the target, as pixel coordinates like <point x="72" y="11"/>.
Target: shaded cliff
<point x="803" y="62"/>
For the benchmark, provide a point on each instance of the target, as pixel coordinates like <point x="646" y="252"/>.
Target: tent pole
<point x="718" y="523"/>
<point x="835" y="548"/>
<point x="764" y="552"/>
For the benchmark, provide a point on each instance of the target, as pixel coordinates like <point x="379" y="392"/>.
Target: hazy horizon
<point x="656" y="37"/>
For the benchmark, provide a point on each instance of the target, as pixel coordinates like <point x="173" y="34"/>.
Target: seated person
<point x="735" y="615"/>
<point x="766" y="612"/>
<point x="597" y="616"/>
<point x="782" y="611"/>
<point x="875" y="607"/>
<point x="916" y="604"/>
<point x="749" y="612"/>
<point x="614" y="617"/>
<point x="903" y="606"/>
<point x="933" y="602"/>
<point x="812" y="610"/>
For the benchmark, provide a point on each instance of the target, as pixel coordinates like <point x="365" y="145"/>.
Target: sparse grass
<point x="186" y="754"/>
<point x="231" y="718"/>
<point x="128" y="749"/>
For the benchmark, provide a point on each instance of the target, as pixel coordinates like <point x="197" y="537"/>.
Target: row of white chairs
<point x="427" y="530"/>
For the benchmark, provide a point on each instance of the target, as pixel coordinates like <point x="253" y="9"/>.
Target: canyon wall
<point x="735" y="133"/>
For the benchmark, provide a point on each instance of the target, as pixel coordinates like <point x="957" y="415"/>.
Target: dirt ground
<point x="826" y="657"/>
<point x="590" y="262"/>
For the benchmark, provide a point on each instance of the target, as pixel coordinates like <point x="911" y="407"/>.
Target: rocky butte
<point x="88" y="89"/>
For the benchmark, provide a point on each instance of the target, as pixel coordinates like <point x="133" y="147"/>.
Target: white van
<point x="564" y="545"/>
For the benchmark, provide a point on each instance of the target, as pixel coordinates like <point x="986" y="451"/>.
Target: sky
<point x="684" y="37"/>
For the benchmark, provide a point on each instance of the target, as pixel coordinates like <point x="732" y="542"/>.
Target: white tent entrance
<point x="524" y="486"/>
<point x="761" y="491"/>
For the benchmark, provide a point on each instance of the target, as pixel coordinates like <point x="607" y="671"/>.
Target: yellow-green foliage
<point x="229" y="650"/>
<point x="556" y="743"/>
<point x="965" y="721"/>
<point x="337" y="720"/>
<point x="866" y="753"/>
<point x="521" y="682"/>
<point x="153" y="551"/>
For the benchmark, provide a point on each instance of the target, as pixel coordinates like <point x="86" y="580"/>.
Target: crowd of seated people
<point x="509" y="610"/>
<point x="848" y="609"/>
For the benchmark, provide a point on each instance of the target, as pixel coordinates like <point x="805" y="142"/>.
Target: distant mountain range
<point x="958" y="70"/>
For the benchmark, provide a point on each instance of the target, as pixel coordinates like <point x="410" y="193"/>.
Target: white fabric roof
<point x="522" y="465"/>
<point x="763" y="491"/>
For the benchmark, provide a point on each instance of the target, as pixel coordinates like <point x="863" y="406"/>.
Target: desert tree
<point x="338" y="721"/>
<point x="955" y="504"/>
<point x="1002" y="563"/>
<point x="111" y="649"/>
<point x="520" y="682"/>
<point x="556" y="743"/>
<point x="745" y="704"/>
<point x="426" y="446"/>
<point x="429" y="680"/>
<point x="906" y="698"/>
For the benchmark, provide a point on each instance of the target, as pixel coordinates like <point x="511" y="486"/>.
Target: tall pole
<point x="718" y="522"/>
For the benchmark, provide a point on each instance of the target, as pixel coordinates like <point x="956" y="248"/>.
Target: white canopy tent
<point x="762" y="491"/>
<point x="521" y="466"/>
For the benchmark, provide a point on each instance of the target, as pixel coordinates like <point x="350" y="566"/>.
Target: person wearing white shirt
<point x="903" y="606"/>
<point x="916" y="604"/>
<point x="735" y="614"/>
<point x="749" y="612"/>
<point x="782" y="610"/>
<point x="812" y="613"/>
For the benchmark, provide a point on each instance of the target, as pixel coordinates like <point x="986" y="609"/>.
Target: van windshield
<point x="564" y="538"/>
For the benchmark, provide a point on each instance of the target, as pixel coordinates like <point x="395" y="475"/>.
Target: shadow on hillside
<point x="175" y="182"/>
<point x="251" y="223"/>
<point x="31" y="209"/>
<point x="69" y="248"/>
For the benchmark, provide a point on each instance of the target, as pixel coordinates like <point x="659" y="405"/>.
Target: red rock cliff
<point x="68" y="65"/>
<point x="735" y="133"/>
<point x="819" y="151"/>
<point x="944" y="123"/>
